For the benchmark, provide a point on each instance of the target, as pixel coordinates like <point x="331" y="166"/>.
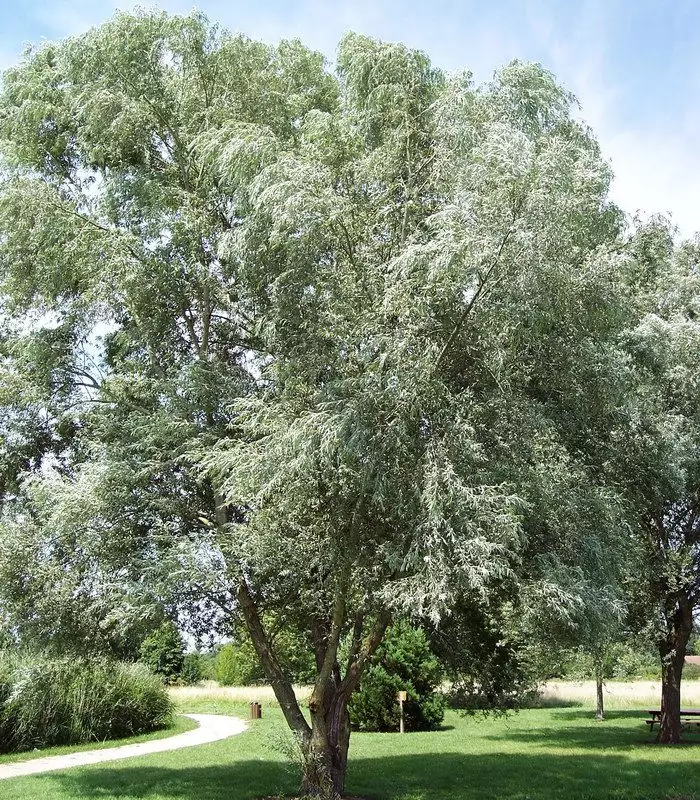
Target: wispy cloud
<point x="655" y="156"/>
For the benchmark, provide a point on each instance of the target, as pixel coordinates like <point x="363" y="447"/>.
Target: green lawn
<point x="560" y="753"/>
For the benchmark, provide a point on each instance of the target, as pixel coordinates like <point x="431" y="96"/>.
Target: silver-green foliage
<point x="359" y="329"/>
<point x="392" y="257"/>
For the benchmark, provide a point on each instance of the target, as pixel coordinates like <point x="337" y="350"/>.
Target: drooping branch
<point x="483" y="285"/>
<point x="483" y="282"/>
<point x="189" y="321"/>
<point x="91" y="381"/>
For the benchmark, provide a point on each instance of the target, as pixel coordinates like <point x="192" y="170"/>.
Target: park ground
<point x="557" y="752"/>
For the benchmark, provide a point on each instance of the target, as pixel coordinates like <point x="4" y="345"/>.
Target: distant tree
<point x="237" y="664"/>
<point x="193" y="669"/>
<point x="659" y="451"/>
<point x="694" y="645"/>
<point x="572" y="595"/>
<point x="163" y="652"/>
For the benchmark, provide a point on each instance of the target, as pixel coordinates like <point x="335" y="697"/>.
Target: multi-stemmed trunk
<point x="324" y="742"/>
<point x="326" y="751"/>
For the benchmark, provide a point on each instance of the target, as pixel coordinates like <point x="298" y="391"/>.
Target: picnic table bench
<point x="689" y="716"/>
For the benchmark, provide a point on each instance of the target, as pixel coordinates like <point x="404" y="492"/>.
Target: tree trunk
<point x="599" y="709"/>
<point x="326" y="754"/>
<point x="672" y="651"/>
<point x="671" y="670"/>
<point x="324" y="743"/>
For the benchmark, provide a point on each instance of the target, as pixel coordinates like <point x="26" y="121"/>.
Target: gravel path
<point x="212" y="727"/>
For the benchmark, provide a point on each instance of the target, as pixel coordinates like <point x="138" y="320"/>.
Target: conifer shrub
<point x="403" y="662"/>
<point x="46" y="702"/>
<point x="163" y="652"/>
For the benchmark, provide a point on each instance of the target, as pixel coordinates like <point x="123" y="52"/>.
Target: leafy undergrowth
<point x="539" y="754"/>
<point x="49" y="702"/>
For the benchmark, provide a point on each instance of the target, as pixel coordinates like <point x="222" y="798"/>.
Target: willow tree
<point x="340" y="313"/>
<point x="659" y="457"/>
<point x="122" y="329"/>
<point x="439" y="261"/>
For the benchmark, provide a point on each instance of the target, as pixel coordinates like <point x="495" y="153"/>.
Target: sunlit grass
<point x="538" y="754"/>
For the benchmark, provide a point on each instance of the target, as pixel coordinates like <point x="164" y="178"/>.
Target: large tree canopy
<point x="319" y="347"/>
<point x="658" y="459"/>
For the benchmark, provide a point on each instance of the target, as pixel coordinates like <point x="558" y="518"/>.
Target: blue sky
<point x="634" y="64"/>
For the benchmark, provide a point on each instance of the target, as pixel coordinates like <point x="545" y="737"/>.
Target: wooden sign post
<point x="401" y="696"/>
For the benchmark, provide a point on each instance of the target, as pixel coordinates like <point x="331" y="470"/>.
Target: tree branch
<point x="467" y="311"/>
<point x="370" y="644"/>
<point x="281" y="686"/>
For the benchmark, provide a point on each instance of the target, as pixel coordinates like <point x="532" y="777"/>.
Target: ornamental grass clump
<point x="69" y="701"/>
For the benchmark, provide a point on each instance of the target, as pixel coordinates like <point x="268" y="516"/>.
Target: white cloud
<point x="655" y="158"/>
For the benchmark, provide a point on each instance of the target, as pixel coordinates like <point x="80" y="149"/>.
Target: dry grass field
<point x="618" y="694"/>
<point x="211" y="690"/>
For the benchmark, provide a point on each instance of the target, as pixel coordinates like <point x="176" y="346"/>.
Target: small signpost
<point x="401" y="696"/>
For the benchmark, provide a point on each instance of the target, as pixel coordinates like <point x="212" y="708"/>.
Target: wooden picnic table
<point x="689" y="716"/>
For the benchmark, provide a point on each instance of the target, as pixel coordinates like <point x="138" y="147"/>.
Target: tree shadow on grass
<point x="556" y="702"/>
<point x="432" y="776"/>
<point x="614" y="731"/>
<point x="234" y="781"/>
<point x="587" y="713"/>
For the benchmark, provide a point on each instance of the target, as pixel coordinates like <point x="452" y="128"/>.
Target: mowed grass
<point x="540" y="754"/>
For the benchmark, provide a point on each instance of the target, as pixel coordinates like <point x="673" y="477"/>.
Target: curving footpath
<point x="212" y="728"/>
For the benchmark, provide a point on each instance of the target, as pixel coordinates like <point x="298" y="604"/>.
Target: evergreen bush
<point x="403" y="662"/>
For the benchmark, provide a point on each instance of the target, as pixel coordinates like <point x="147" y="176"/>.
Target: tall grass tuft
<point x="45" y="702"/>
